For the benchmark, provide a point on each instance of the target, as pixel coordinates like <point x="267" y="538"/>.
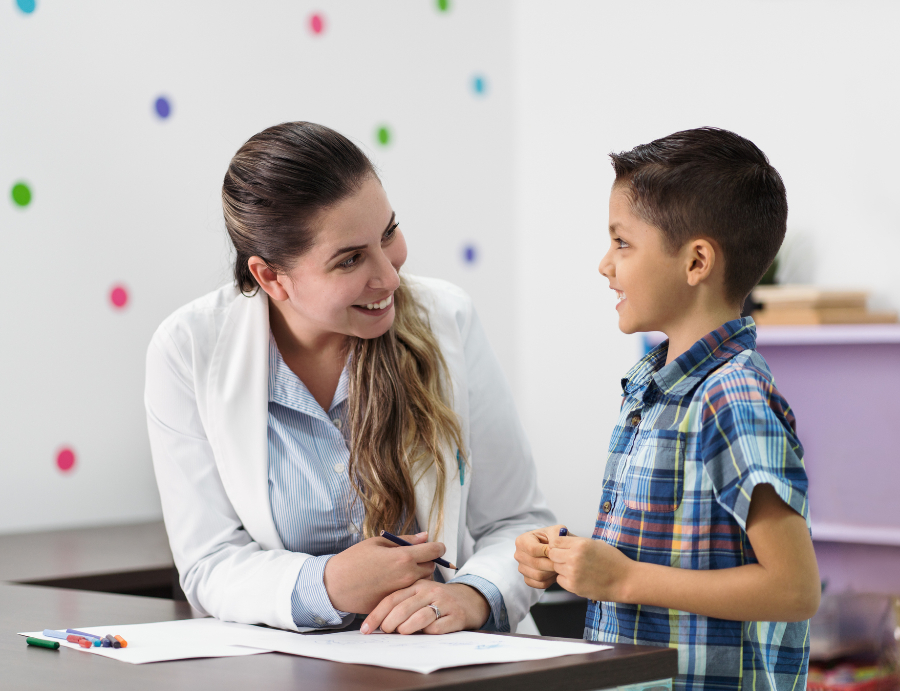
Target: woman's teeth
<point x="380" y="305"/>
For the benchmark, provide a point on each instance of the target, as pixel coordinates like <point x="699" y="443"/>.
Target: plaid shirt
<point x="693" y="439"/>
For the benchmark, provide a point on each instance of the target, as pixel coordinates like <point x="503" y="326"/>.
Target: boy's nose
<point x="606" y="268"/>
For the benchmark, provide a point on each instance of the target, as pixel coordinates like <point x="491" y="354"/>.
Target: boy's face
<point x="649" y="281"/>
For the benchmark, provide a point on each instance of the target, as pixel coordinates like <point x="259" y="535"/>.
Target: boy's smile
<point x="648" y="279"/>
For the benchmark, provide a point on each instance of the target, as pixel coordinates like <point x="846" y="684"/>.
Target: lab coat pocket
<point x="654" y="481"/>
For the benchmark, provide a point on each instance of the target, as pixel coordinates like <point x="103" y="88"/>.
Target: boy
<point x="702" y="539"/>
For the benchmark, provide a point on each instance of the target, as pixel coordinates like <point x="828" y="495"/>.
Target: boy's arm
<point x="783" y="586"/>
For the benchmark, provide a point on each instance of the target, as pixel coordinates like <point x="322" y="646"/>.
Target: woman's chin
<point x="372" y="326"/>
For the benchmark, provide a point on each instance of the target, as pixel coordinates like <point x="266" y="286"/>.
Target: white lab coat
<point x="207" y="411"/>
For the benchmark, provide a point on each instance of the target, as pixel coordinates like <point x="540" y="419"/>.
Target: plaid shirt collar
<point x="680" y="377"/>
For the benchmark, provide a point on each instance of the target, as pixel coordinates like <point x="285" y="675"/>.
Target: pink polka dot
<point x="65" y="459"/>
<point x="317" y="24"/>
<point x="119" y="296"/>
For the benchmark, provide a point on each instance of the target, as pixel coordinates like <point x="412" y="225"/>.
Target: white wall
<point x="123" y="196"/>
<point x="521" y="171"/>
<point x="813" y="83"/>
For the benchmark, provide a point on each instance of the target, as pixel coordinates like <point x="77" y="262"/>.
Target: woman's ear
<point x="701" y="260"/>
<point x="267" y="278"/>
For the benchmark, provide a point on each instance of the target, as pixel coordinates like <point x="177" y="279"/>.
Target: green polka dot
<point x="384" y="136"/>
<point x="21" y="194"/>
<point x="443" y="5"/>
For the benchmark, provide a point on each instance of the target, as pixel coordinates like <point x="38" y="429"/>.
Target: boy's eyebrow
<point x="354" y="248"/>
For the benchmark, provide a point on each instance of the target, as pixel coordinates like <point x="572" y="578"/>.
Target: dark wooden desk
<point x="32" y="608"/>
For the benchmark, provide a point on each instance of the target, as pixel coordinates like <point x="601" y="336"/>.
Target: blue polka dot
<point x="163" y="107"/>
<point x="479" y="85"/>
<point x="27" y="6"/>
<point x="470" y="254"/>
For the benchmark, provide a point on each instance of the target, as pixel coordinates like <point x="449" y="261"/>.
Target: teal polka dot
<point x="27" y="6"/>
<point x="21" y="194"/>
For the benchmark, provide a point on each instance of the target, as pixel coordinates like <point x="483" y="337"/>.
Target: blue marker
<point x="50" y="633"/>
<point x="563" y="532"/>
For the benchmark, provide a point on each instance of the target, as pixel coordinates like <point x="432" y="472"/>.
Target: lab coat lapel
<point x="424" y="491"/>
<point x="238" y="404"/>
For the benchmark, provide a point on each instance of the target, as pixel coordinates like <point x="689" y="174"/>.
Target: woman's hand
<point x="407" y="611"/>
<point x="363" y="575"/>
<point x="531" y="553"/>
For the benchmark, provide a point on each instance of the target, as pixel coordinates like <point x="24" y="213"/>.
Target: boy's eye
<point x="621" y="243"/>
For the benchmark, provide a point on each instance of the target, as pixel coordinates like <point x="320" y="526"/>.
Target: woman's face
<point x="345" y="283"/>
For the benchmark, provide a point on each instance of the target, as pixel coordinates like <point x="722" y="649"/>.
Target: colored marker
<point x="105" y="643"/>
<point x="122" y="641"/>
<point x="41" y="643"/>
<point x="52" y="633"/>
<point x="563" y="532"/>
<point x="112" y="641"/>
<point x="403" y="543"/>
<point x="93" y="638"/>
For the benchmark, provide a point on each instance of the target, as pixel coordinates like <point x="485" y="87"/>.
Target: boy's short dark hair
<point x="714" y="184"/>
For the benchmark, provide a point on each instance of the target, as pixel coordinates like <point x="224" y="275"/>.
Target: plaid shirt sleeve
<point x="748" y="438"/>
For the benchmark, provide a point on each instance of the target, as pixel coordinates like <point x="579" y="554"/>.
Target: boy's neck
<point x="695" y="325"/>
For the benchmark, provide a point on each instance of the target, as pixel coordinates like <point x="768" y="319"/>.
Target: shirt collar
<point x="286" y="388"/>
<point x="682" y="376"/>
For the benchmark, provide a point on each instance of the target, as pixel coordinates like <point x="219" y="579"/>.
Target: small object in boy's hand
<point x="41" y="643"/>
<point x="122" y="641"/>
<point x="563" y="532"/>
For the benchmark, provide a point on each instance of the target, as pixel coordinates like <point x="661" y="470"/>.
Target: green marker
<point x="41" y="643"/>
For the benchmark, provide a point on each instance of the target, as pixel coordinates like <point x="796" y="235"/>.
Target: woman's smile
<point x="376" y="309"/>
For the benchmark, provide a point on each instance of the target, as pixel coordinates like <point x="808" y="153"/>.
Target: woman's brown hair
<point x="400" y="419"/>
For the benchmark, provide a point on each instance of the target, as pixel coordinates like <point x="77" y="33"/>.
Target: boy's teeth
<point x="380" y="305"/>
<point x="620" y="295"/>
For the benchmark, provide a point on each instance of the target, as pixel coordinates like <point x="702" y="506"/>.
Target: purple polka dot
<point x="470" y="254"/>
<point x="163" y="107"/>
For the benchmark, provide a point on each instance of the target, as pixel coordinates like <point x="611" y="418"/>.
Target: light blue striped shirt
<point x="311" y="496"/>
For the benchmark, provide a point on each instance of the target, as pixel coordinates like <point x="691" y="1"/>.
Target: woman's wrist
<point x="478" y="609"/>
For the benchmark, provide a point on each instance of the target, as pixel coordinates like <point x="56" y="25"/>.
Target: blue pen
<point x="563" y="532"/>
<point x="403" y="543"/>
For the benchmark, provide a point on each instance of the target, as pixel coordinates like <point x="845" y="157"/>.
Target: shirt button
<point x="635" y="420"/>
<point x="607" y="506"/>
<point x="337" y="422"/>
<point x="353" y="530"/>
<point x="319" y="621"/>
<point x="339" y="467"/>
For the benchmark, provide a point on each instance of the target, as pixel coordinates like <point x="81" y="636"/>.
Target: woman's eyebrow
<point x="355" y="248"/>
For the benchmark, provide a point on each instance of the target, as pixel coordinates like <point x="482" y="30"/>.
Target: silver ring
<point x="437" y="612"/>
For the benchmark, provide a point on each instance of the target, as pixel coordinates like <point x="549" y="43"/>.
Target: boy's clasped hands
<point x="586" y="567"/>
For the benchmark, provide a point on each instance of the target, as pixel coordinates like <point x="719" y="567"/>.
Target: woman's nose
<point x="385" y="276"/>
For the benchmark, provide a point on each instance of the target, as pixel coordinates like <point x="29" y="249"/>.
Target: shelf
<point x="829" y="334"/>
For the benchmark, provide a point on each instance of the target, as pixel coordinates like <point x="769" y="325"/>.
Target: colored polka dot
<point x="443" y="5"/>
<point x="21" y="194"/>
<point x="163" y="107"/>
<point x="470" y="254"/>
<point x="118" y="296"/>
<point x="317" y="24"/>
<point x="65" y="459"/>
<point x="479" y="85"/>
<point x="383" y="135"/>
<point x="27" y="6"/>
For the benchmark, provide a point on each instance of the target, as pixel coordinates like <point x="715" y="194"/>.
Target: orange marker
<point x="122" y="641"/>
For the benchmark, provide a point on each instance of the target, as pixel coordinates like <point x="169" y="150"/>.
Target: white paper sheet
<point x="172" y="640"/>
<point x="191" y="638"/>
<point x="423" y="653"/>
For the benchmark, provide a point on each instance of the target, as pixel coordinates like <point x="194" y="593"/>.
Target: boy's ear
<point x="701" y="260"/>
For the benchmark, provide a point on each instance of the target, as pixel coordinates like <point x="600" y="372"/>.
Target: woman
<point x="324" y="398"/>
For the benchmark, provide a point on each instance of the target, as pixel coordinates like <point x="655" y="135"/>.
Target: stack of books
<point x="802" y="305"/>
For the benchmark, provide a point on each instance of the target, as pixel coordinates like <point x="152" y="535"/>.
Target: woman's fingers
<point x="404" y="610"/>
<point x="383" y="608"/>
<point x="418" y="620"/>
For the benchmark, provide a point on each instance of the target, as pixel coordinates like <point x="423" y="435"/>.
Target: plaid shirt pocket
<point x="654" y="480"/>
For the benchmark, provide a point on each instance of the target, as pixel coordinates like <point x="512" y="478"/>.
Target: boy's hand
<point x="590" y="568"/>
<point x="531" y="553"/>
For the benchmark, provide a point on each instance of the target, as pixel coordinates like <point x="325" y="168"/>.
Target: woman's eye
<point x="390" y="232"/>
<point x="350" y="262"/>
